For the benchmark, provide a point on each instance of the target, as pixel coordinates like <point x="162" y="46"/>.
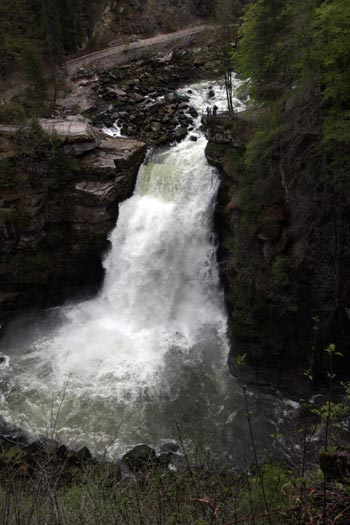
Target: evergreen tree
<point x="331" y="52"/>
<point x="295" y="56"/>
<point x="51" y="28"/>
<point x="227" y="12"/>
<point x="264" y="50"/>
<point x="73" y="20"/>
<point x="18" y="30"/>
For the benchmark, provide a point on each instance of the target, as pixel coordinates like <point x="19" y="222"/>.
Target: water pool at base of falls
<point x="149" y="352"/>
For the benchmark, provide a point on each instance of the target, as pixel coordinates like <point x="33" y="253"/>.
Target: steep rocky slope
<point x="279" y="287"/>
<point x="58" y="201"/>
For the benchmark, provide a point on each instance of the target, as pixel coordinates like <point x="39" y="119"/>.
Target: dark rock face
<point x="54" y="230"/>
<point x="274" y="286"/>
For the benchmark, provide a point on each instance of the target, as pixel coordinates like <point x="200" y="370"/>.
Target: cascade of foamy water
<point x="151" y="347"/>
<point x="161" y="285"/>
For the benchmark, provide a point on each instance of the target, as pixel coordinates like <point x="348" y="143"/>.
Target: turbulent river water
<point x="149" y="352"/>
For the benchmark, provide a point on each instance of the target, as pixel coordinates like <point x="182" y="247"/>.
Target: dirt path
<point x="116" y="55"/>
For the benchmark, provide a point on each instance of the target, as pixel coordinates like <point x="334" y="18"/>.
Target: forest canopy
<point x="31" y="30"/>
<point x="295" y="59"/>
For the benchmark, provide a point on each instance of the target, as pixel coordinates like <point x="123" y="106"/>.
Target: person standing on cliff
<point x="208" y="110"/>
<point x="215" y="110"/>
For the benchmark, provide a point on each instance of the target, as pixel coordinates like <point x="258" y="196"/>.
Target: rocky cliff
<point x="279" y="291"/>
<point x="60" y="185"/>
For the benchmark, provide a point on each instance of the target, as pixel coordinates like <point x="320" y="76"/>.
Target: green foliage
<point x="30" y="29"/>
<point x="6" y="174"/>
<point x="260" y="148"/>
<point x="332" y="352"/>
<point x="295" y="57"/>
<point x="170" y="498"/>
<point x="331" y="34"/>
<point x="331" y="411"/>
<point x="18" y="29"/>
<point x="252" y="199"/>
<point x="32" y="142"/>
<point x="233" y="159"/>
<point x="280" y="270"/>
<point x="35" y="146"/>
<point x="297" y="53"/>
<point x="263" y="51"/>
<point x="240" y="359"/>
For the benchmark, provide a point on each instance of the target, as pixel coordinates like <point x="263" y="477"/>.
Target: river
<point x="147" y="354"/>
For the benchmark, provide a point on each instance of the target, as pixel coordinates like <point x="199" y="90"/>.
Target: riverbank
<point x="49" y="485"/>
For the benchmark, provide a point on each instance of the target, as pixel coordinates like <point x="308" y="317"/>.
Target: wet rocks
<point x="20" y="459"/>
<point x="143" y="458"/>
<point x="142" y="97"/>
<point x="154" y="117"/>
<point x="140" y="458"/>
<point x="83" y="455"/>
<point x="23" y="457"/>
<point x="180" y="133"/>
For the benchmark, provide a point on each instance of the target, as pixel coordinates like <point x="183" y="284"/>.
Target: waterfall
<point x="150" y="350"/>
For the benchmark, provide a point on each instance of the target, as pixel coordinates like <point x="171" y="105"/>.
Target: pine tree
<point x="73" y="19"/>
<point x="263" y="53"/>
<point x="295" y="56"/>
<point x="331" y="51"/>
<point x="227" y="12"/>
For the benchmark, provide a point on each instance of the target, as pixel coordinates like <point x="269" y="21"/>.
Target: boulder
<point x="140" y="458"/>
<point x="84" y="455"/>
<point x="112" y="155"/>
<point x="180" y="133"/>
<point x="335" y="465"/>
<point x="169" y="446"/>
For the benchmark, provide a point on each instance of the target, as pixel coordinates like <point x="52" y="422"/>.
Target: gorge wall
<point x="279" y="287"/>
<point x="60" y="189"/>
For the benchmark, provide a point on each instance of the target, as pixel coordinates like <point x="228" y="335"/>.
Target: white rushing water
<point x="150" y="350"/>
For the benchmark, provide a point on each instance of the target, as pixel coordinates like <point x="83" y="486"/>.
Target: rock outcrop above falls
<point x="60" y="185"/>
